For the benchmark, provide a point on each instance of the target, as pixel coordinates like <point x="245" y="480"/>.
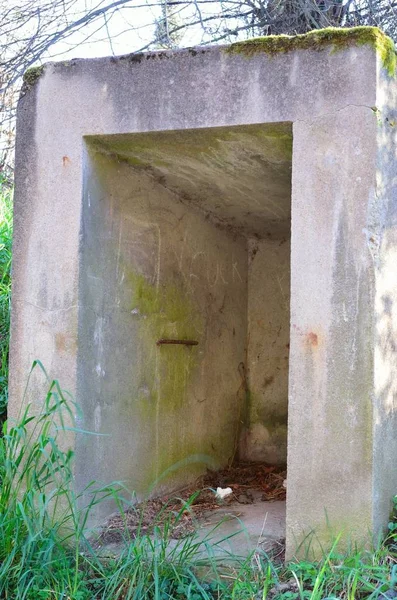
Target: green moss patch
<point x="318" y="39"/>
<point x="32" y="75"/>
<point x="167" y="312"/>
<point x="206" y="152"/>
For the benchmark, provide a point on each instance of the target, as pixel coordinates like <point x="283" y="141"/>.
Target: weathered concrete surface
<point x="239" y="177"/>
<point x="342" y="327"/>
<point x="384" y="249"/>
<point x="239" y="530"/>
<point x="342" y="406"/>
<point x="332" y="323"/>
<point x="264" y="437"/>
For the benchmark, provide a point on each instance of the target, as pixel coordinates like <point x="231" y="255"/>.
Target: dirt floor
<point x="199" y="507"/>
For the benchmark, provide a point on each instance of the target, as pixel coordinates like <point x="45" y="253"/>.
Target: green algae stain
<point x="274" y="422"/>
<point x="279" y="139"/>
<point x="218" y="146"/>
<point x="318" y="39"/>
<point x="166" y="312"/>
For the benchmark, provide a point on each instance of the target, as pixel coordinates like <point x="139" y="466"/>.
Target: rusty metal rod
<point x="183" y="342"/>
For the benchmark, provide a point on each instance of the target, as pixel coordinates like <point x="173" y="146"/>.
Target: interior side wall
<point x="265" y="434"/>
<point x="153" y="269"/>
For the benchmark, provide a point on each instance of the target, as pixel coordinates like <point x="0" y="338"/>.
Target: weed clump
<point x="32" y="75"/>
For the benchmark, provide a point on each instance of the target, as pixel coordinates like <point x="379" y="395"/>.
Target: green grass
<point x="5" y="289"/>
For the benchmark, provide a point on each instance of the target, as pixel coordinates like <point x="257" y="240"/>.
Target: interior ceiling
<point x="239" y="177"/>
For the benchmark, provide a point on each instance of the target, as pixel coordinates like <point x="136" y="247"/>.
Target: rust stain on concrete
<point x="312" y="338"/>
<point x="60" y="342"/>
<point x="64" y="343"/>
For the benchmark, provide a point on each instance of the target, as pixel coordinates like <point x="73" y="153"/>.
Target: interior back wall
<point x="264" y="437"/>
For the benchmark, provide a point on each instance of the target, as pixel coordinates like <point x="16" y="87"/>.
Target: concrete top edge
<point x="336" y="38"/>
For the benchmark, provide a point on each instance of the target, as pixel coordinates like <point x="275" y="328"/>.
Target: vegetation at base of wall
<point x="46" y="554"/>
<point x="318" y="39"/>
<point x="5" y="289"/>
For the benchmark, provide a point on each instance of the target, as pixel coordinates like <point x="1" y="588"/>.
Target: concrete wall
<point x="332" y="326"/>
<point x="265" y="433"/>
<point x="151" y="269"/>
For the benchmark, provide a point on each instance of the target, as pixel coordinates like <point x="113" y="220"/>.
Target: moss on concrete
<point x="65" y="64"/>
<point x="135" y="57"/>
<point x="32" y="75"/>
<point x="318" y="39"/>
<point x="280" y="139"/>
<point x="167" y="313"/>
<point x="164" y="149"/>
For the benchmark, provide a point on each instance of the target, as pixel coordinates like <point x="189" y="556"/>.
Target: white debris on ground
<point x="222" y="493"/>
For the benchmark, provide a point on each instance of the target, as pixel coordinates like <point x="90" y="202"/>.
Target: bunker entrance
<point x="184" y="321"/>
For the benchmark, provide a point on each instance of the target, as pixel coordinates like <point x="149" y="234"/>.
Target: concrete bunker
<point x="144" y="218"/>
<point x="184" y="320"/>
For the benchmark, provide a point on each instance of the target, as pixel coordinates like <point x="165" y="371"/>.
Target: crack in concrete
<point x="330" y="114"/>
